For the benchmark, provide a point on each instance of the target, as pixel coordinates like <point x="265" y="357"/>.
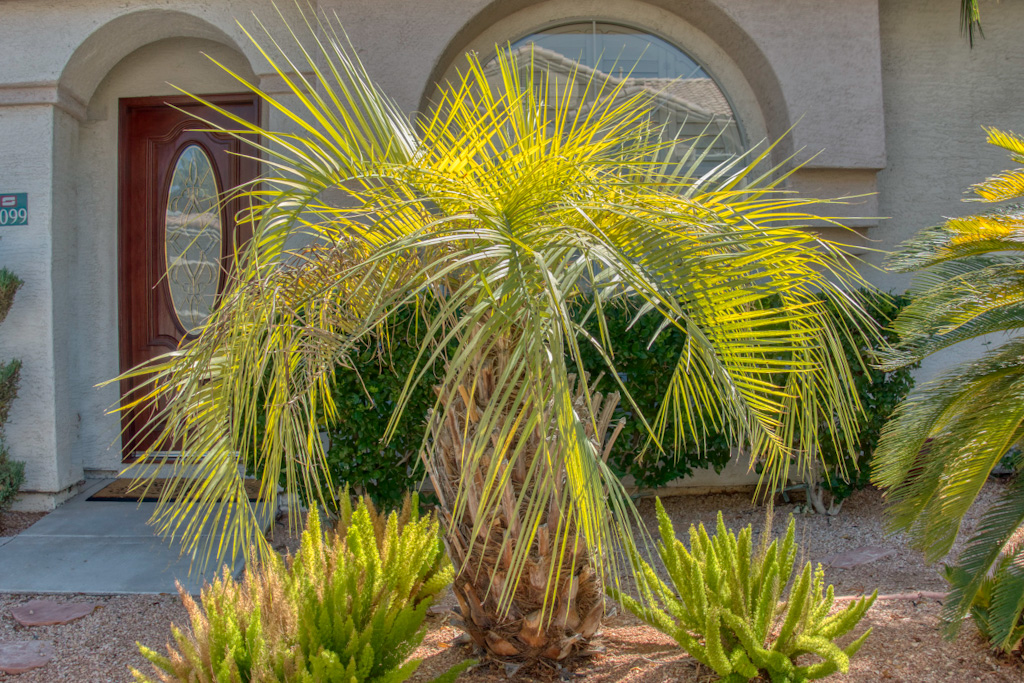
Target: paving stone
<point x="20" y="656"/>
<point x="50" y="612"/>
<point x="858" y="556"/>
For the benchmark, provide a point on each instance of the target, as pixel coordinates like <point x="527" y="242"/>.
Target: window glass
<point x="687" y="101"/>
<point x="192" y="238"/>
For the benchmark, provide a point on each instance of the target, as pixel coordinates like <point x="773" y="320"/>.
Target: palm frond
<point x="997" y="544"/>
<point x="943" y="441"/>
<point x="970" y="20"/>
<point x="500" y="209"/>
<point x="955" y="301"/>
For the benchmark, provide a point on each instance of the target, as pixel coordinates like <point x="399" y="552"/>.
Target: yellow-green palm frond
<point x="502" y="211"/>
<point x="1009" y="141"/>
<point x="959" y="300"/>
<point x="1001" y="229"/>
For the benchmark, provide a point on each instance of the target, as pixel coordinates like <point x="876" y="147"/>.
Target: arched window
<point x="687" y="101"/>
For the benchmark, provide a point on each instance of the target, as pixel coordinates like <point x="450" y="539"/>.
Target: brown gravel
<point x="906" y="644"/>
<point x="13" y="523"/>
<point x="99" y="648"/>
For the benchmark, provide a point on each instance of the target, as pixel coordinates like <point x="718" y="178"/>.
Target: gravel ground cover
<point x="13" y="523"/>
<point x="101" y="646"/>
<point x="906" y="644"/>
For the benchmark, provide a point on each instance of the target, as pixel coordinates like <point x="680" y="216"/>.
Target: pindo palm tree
<point x="513" y="217"/>
<point x="943" y="441"/>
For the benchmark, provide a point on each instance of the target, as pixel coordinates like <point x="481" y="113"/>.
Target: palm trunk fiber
<point x="531" y="627"/>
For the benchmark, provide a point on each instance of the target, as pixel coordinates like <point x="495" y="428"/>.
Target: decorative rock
<point x="24" y="655"/>
<point x="857" y="557"/>
<point x="50" y="612"/>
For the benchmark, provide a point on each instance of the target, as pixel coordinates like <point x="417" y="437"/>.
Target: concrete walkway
<point x="95" y="547"/>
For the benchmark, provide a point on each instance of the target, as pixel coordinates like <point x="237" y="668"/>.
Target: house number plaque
<point x="14" y="209"/>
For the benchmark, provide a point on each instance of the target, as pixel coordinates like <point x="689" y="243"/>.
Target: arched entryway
<point x="118" y="242"/>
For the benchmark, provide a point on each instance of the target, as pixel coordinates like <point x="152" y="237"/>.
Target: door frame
<point x="124" y="333"/>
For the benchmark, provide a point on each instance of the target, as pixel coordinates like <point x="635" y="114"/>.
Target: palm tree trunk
<point x="552" y="614"/>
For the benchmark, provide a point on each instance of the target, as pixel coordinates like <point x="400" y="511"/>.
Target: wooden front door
<point x="175" y="236"/>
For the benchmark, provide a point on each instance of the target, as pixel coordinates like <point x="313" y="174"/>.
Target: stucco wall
<point x="867" y="84"/>
<point x="938" y="93"/>
<point x="27" y="166"/>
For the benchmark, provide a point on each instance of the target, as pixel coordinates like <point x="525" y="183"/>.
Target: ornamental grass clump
<point x="726" y="612"/>
<point x="349" y="607"/>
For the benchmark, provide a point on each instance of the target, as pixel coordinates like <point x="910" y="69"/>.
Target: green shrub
<point x="349" y="607"/>
<point x="726" y="612"/>
<point x="646" y="369"/>
<point x="364" y="397"/>
<point x="648" y="366"/>
<point x="10" y="374"/>
<point x="357" y="456"/>
<point x="9" y="284"/>
<point x="12" y="474"/>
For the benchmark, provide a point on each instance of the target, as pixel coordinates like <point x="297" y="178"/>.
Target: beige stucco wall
<point x="866" y="85"/>
<point x="938" y="94"/>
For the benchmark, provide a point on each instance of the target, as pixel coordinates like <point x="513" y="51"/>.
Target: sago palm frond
<point x="997" y="548"/>
<point x="944" y="440"/>
<point x="937" y="451"/>
<point x="496" y="213"/>
<point x="959" y="300"/>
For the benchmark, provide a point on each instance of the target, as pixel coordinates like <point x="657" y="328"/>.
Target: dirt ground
<point x="905" y="644"/>
<point x="13" y="523"/>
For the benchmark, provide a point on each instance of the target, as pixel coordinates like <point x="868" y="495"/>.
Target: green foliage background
<point x="357" y="456"/>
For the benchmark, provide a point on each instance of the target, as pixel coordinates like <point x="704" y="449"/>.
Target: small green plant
<point x="9" y="284"/>
<point x="10" y="374"/>
<point x="726" y="611"/>
<point x="12" y="473"/>
<point x="996" y="606"/>
<point x="349" y="607"/>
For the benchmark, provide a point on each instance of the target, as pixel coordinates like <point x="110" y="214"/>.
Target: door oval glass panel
<point x="193" y="238"/>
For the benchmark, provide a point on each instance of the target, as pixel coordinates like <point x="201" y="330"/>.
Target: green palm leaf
<point x="970" y="20"/>
<point x="944" y="440"/>
<point x="994" y="546"/>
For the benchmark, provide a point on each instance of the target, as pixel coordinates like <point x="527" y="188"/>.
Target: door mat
<point x="118" y="490"/>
